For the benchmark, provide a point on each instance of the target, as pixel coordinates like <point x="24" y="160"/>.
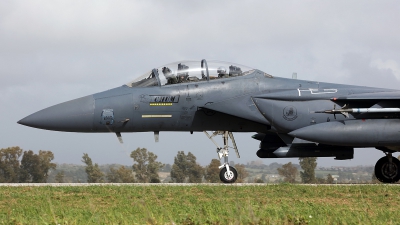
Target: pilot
<point x="222" y="72"/>
<point x="169" y="75"/>
<point x="183" y="77"/>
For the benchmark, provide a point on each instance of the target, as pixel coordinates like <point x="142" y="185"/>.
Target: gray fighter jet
<point x="291" y="118"/>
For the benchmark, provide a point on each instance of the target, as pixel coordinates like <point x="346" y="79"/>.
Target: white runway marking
<point x="163" y="184"/>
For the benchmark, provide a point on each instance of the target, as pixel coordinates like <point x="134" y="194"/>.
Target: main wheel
<point x="387" y="172"/>
<point x="228" y="177"/>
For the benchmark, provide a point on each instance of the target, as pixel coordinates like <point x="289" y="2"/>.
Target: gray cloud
<point x="360" y="71"/>
<point x="54" y="51"/>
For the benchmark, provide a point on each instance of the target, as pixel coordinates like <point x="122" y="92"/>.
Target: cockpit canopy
<point x="189" y="71"/>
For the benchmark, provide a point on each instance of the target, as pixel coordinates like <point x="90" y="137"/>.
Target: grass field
<point x="222" y="204"/>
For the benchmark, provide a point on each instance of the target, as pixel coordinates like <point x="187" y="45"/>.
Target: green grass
<point x="271" y="204"/>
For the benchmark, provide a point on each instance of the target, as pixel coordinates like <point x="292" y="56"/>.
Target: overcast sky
<point x="55" y="51"/>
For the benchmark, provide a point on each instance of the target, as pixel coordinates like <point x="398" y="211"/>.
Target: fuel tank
<point x="339" y="152"/>
<point x="357" y="133"/>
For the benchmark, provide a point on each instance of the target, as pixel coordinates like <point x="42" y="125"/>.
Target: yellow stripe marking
<point x="156" y="116"/>
<point x="160" y="104"/>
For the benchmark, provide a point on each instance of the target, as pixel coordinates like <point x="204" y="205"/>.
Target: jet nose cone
<point x="74" y="116"/>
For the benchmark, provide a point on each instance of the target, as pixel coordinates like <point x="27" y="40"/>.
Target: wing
<point x="375" y="96"/>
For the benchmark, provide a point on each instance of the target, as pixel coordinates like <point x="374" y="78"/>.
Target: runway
<point x="167" y="184"/>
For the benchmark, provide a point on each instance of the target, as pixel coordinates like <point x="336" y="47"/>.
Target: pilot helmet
<point x="221" y="70"/>
<point x="168" y="72"/>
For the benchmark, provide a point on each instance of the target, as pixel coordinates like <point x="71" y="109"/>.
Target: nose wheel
<point x="227" y="174"/>
<point x="387" y="169"/>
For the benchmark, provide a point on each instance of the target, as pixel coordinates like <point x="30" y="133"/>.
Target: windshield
<point x="190" y="71"/>
<point x="146" y="80"/>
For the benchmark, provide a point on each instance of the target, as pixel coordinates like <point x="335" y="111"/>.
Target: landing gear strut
<point x="227" y="174"/>
<point x="387" y="169"/>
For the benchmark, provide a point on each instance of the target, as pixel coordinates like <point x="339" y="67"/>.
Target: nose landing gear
<point x="387" y="169"/>
<point x="227" y="174"/>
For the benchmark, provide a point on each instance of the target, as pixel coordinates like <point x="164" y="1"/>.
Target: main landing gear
<point x="387" y="169"/>
<point x="227" y="174"/>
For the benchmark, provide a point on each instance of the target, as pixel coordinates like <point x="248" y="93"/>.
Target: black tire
<point x="228" y="178"/>
<point x="386" y="172"/>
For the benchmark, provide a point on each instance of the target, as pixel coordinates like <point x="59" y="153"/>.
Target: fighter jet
<point x="290" y="117"/>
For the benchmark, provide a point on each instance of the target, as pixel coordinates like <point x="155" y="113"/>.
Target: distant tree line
<point x="308" y="165"/>
<point x="18" y="166"/>
<point x="146" y="168"/>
